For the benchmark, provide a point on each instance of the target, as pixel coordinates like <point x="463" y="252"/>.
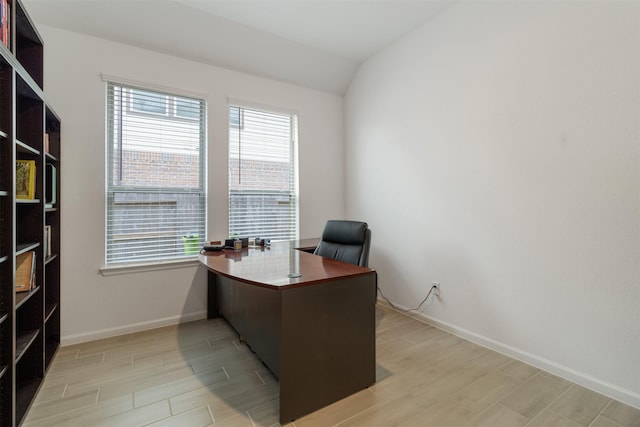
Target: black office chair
<point x="346" y="241"/>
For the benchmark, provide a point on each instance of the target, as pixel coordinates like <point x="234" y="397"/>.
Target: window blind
<point x="262" y="174"/>
<point x="155" y="195"/>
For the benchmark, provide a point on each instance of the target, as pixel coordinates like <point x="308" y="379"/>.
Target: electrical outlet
<point x="436" y="291"/>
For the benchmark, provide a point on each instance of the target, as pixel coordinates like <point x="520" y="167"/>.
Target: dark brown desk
<point x="315" y="332"/>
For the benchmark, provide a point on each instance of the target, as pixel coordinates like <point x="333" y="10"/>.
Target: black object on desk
<point x="213" y="248"/>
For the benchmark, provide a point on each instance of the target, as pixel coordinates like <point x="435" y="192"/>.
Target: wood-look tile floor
<point x="198" y="374"/>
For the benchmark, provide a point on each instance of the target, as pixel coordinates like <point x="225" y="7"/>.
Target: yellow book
<point x="25" y="179"/>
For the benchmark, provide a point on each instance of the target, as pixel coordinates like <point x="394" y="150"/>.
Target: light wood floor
<point x="198" y="374"/>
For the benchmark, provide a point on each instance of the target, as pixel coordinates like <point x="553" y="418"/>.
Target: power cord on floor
<point x="404" y="310"/>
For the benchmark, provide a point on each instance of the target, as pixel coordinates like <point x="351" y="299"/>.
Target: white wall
<point x="496" y="150"/>
<point x="93" y="305"/>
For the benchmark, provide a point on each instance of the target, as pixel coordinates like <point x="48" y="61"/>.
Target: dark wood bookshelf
<point x="29" y="321"/>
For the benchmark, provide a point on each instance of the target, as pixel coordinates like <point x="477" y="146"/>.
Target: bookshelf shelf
<point x="49" y="310"/>
<point x="20" y="249"/>
<point x="27" y="201"/>
<point x="29" y="130"/>
<point x="23" y="297"/>
<point x="24" y="340"/>
<point x="23" y="148"/>
<point x="26" y="389"/>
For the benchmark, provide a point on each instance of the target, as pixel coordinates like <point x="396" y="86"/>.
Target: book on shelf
<point x="8" y="26"/>
<point x="25" y="179"/>
<point x="5" y="22"/>
<point x="47" y="241"/>
<point x="51" y="185"/>
<point x="3" y="18"/>
<point x="25" y="271"/>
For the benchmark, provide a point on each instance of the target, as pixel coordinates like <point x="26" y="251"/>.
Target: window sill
<point x="112" y="270"/>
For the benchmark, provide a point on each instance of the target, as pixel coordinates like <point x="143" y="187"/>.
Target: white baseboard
<point x="599" y="386"/>
<point x="136" y="327"/>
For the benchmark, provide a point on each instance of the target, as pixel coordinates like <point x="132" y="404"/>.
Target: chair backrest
<point x="346" y="241"/>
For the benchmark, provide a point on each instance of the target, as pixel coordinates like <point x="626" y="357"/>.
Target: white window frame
<point x="199" y="191"/>
<point x="291" y="196"/>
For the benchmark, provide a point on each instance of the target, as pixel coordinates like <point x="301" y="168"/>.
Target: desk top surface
<point x="278" y="265"/>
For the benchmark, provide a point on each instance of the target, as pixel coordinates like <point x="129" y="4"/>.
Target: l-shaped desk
<point x="311" y="320"/>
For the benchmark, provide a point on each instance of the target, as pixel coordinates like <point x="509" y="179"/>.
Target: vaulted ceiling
<point x="313" y="43"/>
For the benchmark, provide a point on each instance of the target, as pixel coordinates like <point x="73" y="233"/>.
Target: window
<point x="142" y="101"/>
<point x="145" y="102"/>
<point x="262" y="174"/>
<point x="235" y="119"/>
<point x="187" y="109"/>
<point x="155" y="175"/>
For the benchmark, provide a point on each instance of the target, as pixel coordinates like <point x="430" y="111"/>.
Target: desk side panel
<point x="212" y="297"/>
<point x="328" y="344"/>
<point x="254" y="312"/>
